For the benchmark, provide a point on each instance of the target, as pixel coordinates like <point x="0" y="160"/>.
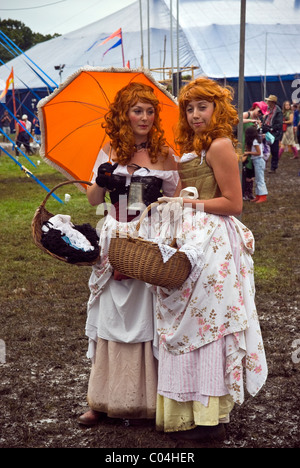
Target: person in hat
<point x="272" y="123"/>
<point x="258" y="109"/>
<point x="27" y="122"/>
<point x="22" y="137"/>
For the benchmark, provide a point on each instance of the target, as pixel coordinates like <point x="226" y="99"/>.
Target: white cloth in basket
<point x="75" y="238"/>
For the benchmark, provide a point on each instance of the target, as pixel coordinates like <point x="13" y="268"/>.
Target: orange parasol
<point x="71" y="117"/>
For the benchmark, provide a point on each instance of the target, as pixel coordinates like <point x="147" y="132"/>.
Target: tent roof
<point x="209" y="39"/>
<point x="272" y="44"/>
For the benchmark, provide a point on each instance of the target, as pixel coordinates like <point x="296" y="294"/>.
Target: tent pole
<point x="148" y="25"/>
<point x="171" y="37"/>
<point x="141" y="28"/>
<point x="241" y="71"/>
<point x="241" y="78"/>
<point x="123" y="57"/>
<point x="177" y="27"/>
<point x="283" y="89"/>
<point x="164" y="60"/>
<point x="265" y="78"/>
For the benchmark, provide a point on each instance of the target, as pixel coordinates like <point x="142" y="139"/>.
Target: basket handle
<point x="64" y="183"/>
<point x="144" y="214"/>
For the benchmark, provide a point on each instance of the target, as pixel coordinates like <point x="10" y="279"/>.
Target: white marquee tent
<point x="209" y="32"/>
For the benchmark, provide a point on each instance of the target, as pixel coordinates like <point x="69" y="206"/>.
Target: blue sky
<point x="59" y="16"/>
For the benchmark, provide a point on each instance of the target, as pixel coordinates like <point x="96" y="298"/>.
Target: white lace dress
<point x="120" y="324"/>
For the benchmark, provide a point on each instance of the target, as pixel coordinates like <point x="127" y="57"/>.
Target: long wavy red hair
<point x="224" y="118"/>
<point x="118" y="128"/>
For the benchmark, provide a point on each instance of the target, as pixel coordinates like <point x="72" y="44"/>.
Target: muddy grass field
<point x="43" y="309"/>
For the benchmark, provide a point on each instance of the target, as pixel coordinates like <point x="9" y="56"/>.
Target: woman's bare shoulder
<point x="170" y="162"/>
<point x="221" y="150"/>
<point x="222" y="142"/>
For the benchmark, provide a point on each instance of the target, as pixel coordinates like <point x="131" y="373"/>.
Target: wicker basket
<point x="141" y="259"/>
<point x="42" y="215"/>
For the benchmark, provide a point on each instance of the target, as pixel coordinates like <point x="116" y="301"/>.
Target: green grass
<point x="23" y="265"/>
<point x="275" y="225"/>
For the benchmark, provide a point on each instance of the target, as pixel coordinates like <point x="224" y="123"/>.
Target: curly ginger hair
<point x="118" y="128"/>
<point x="224" y="117"/>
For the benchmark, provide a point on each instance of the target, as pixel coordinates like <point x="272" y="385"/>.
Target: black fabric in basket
<point x="53" y="242"/>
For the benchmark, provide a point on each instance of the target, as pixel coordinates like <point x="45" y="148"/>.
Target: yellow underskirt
<point x="173" y="416"/>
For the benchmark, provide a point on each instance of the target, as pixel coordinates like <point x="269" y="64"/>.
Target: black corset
<point x="150" y="185"/>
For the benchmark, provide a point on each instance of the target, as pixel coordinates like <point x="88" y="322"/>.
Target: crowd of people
<point x="269" y="131"/>
<point x="25" y="132"/>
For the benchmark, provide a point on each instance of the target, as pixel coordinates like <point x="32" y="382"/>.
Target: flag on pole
<point x="9" y="81"/>
<point x="115" y="45"/>
<point x="117" y="33"/>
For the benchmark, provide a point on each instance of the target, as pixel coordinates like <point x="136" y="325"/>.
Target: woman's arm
<point x="224" y="162"/>
<point x="257" y="151"/>
<point x="95" y="194"/>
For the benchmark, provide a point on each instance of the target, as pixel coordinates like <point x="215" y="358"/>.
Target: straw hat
<point x="272" y="98"/>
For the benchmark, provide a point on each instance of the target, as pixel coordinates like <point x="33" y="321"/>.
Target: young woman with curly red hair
<point x="123" y="138"/>
<point x="208" y="328"/>
<point x="206" y="122"/>
<point x="135" y="167"/>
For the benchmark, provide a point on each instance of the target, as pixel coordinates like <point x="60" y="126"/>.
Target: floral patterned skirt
<point x="216" y="302"/>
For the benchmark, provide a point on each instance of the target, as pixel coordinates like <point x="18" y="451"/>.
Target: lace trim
<point x="195" y="256"/>
<point x="166" y="252"/>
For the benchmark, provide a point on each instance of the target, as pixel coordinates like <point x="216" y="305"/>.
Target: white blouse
<point x="124" y="310"/>
<point x="170" y="178"/>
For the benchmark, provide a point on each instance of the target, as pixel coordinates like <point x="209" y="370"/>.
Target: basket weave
<point x="42" y="215"/>
<point x="141" y="259"/>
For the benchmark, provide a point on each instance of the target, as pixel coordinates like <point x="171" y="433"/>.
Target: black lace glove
<point x="103" y="178"/>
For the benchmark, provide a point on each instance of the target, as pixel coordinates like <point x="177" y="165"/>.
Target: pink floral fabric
<point x="217" y="301"/>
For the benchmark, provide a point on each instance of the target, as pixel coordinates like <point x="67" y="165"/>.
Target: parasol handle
<point x="64" y="183"/>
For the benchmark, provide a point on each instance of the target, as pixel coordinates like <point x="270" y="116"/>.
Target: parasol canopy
<point x="71" y="117"/>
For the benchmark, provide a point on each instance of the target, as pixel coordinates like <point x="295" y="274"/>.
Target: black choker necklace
<point x="141" y="146"/>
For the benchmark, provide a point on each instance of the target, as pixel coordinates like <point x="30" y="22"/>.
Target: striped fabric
<point x="193" y="376"/>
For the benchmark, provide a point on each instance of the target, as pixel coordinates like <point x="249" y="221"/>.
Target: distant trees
<point x="21" y="35"/>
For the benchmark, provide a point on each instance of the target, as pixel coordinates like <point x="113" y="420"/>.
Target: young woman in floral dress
<point x="209" y="333"/>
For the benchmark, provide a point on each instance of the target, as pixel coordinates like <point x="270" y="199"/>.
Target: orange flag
<point x="115" y="34"/>
<point x="9" y="81"/>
